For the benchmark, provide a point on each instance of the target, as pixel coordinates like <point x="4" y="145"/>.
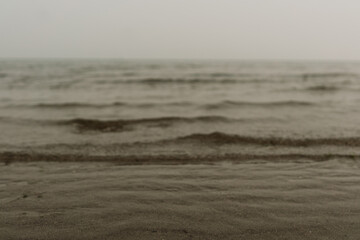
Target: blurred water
<point x="105" y="102"/>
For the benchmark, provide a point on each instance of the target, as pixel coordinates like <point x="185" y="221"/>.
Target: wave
<point x="326" y="75"/>
<point x="211" y="79"/>
<point x="173" y="159"/>
<point x="74" y="105"/>
<point x="322" y="88"/>
<point x="317" y="88"/>
<point x="223" y="78"/>
<point x="225" y="104"/>
<point x="156" y="81"/>
<point x="84" y="125"/>
<point x="221" y="74"/>
<point x="215" y="105"/>
<point x="65" y="105"/>
<point x="218" y="138"/>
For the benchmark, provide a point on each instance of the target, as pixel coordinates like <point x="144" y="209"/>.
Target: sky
<point x="184" y="29"/>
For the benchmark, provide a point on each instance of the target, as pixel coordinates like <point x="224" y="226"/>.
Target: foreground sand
<point x="307" y="200"/>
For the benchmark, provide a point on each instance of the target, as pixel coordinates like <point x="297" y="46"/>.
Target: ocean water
<point x="127" y="110"/>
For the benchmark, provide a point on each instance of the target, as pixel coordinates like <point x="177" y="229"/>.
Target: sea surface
<point x="115" y="149"/>
<point x="179" y="110"/>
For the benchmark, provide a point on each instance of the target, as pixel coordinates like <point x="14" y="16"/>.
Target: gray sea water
<point x="179" y="108"/>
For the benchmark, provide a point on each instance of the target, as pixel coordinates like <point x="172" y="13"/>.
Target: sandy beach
<point x="252" y="200"/>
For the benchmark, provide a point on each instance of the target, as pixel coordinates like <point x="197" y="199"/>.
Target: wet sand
<point x="252" y="200"/>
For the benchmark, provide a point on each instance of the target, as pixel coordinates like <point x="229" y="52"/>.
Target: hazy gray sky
<point x="245" y="29"/>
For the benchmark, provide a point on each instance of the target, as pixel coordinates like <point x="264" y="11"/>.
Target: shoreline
<point x="171" y="159"/>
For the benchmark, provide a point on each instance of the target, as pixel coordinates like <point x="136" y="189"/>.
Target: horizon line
<point x="186" y="59"/>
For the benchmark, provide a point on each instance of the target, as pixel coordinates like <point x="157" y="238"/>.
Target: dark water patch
<point x="218" y="138"/>
<point x="206" y="80"/>
<point x="220" y="74"/>
<point x="84" y="125"/>
<point x="161" y="81"/>
<point x="323" y="88"/>
<point x="75" y="105"/>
